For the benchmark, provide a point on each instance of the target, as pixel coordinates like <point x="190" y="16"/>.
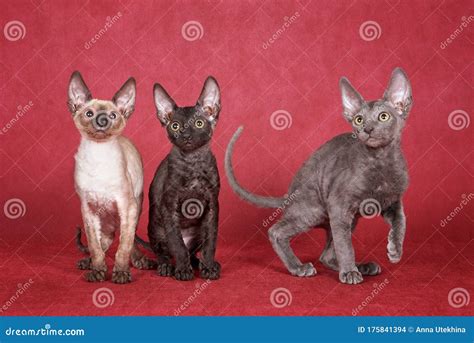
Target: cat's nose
<point x="101" y="122"/>
<point x="368" y="129"/>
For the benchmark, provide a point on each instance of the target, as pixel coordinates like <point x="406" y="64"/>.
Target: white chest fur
<point x="100" y="168"/>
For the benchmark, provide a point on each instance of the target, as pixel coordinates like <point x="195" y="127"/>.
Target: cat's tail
<point x="143" y="243"/>
<point x="83" y="248"/>
<point x="255" y="199"/>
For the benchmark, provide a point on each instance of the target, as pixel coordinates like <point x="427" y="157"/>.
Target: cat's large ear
<point x="398" y="92"/>
<point x="78" y="93"/>
<point x="210" y="99"/>
<point x="124" y="99"/>
<point x="352" y="101"/>
<point x="164" y="104"/>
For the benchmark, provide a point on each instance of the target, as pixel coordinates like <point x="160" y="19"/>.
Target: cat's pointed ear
<point x="210" y="98"/>
<point x="352" y="101"/>
<point x="164" y="104"/>
<point x="398" y="92"/>
<point x="78" y="93"/>
<point x="124" y="99"/>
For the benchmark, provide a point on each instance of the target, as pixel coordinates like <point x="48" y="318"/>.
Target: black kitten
<point x="184" y="193"/>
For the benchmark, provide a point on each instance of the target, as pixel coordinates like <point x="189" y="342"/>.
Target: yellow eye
<point x="199" y="123"/>
<point x="174" y="126"/>
<point x="384" y="116"/>
<point x="358" y="120"/>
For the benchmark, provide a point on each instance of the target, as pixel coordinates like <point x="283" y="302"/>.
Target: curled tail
<point x="143" y="243"/>
<point x="83" y="248"/>
<point x="258" y="200"/>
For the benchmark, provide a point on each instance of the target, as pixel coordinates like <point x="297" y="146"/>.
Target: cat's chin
<point x="375" y="143"/>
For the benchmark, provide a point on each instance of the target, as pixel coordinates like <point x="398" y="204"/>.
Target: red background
<point x="298" y="73"/>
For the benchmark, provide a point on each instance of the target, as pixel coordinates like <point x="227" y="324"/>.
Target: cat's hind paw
<point x="369" y="268"/>
<point x="305" y="270"/>
<point x="351" y="277"/>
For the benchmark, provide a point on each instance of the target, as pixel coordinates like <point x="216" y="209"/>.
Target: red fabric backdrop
<point x="267" y="56"/>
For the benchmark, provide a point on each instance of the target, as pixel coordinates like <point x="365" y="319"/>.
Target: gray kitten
<point x="354" y="174"/>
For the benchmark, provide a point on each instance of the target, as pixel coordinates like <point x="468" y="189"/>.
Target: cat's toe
<point x="95" y="276"/>
<point x="305" y="270"/>
<point x="165" y="269"/>
<point x="394" y="257"/>
<point x="351" y="277"/>
<point x="121" y="276"/>
<point x="369" y="268"/>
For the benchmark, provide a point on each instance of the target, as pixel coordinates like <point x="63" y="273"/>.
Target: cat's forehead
<point x="376" y="106"/>
<point x="101" y="105"/>
<point x="185" y="113"/>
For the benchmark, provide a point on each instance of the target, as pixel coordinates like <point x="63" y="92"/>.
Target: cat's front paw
<point x="184" y="273"/>
<point x="394" y="253"/>
<point x="121" y="276"/>
<point x="95" y="275"/>
<point x="305" y="270"/>
<point x="211" y="272"/>
<point x="351" y="277"/>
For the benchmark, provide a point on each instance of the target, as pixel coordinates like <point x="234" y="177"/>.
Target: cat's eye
<point x="113" y="115"/>
<point x="358" y="120"/>
<point x="199" y="123"/>
<point x="89" y="114"/>
<point x="384" y="116"/>
<point x="175" y="126"/>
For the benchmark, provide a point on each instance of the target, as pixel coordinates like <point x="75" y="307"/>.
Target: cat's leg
<point x="92" y="227"/>
<point x="395" y="217"/>
<point x="280" y="235"/>
<point x="209" y="268"/>
<point x="341" y="222"/>
<point x="128" y="211"/>
<point x="157" y="235"/>
<point x="174" y="241"/>
<point x="329" y="259"/>
<point x="328" y="256"/>
<point x="194" y="246"/>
